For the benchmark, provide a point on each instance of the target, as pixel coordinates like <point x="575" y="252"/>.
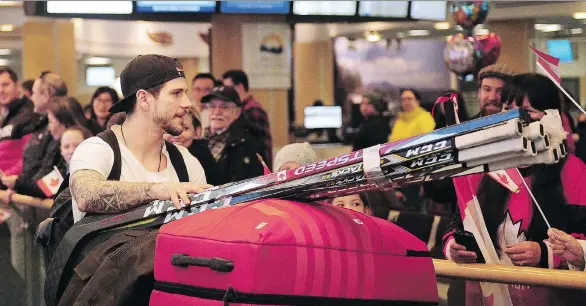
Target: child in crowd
<point x="70" y="139"/>
<point x="357" y="202"/>
<point x="190" y="138"/>
<point x="293" y="156"/>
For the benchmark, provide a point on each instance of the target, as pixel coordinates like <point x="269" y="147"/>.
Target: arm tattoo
<point x="97" y="195"/>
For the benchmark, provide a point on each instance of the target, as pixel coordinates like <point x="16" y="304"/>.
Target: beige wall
<point x="516" y="37"/>
<point x="226" y="53"/>
<point x="50" y="45"/>
<point x="314" y="75"/>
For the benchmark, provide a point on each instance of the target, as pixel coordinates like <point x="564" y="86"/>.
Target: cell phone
<point x="467" y="239"/>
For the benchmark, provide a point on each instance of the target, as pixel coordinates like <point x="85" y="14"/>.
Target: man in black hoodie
<point x="375" y="129"/>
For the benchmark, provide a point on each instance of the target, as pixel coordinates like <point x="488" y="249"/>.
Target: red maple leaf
<point x="503" y="178"/>
<point x="54" y="182"/>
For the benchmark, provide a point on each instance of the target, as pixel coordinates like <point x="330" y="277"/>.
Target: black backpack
<point x="51" y="230"/>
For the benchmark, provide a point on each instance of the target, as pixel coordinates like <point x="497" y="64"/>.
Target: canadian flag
<point x="550" y="66"/>
<point x="510" y="178"/>
<point x="51" y="182"/>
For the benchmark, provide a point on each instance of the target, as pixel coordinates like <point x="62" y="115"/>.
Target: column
<point x="49" y="44"/>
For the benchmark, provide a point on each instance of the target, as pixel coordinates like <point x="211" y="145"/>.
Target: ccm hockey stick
<point x="207" y="200"/>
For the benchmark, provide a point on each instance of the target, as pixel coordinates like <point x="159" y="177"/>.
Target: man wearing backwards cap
<point x="155" y="102"/>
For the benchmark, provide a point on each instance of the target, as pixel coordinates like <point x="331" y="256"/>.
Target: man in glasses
<point x="234" y="148"/>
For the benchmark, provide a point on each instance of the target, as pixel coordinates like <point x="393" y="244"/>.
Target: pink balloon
<point x="460" y="55"/>
<point x="490" y="48"/>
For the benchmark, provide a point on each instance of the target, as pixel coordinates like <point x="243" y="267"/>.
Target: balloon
<point x="461" y="54"/>
<point x="469" y="14"/>
<point x="490" y="46"/>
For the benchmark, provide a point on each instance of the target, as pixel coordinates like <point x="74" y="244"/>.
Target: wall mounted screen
<point x="397" y="9"/>
<point x="89" y="7"/>
<point x="324" y="8"/>
<point x="322" y="117"/>
<point x="255" y="7"/>
<point x="176" y="6"/>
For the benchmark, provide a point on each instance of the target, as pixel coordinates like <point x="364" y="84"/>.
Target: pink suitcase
<point x="276" y="252"/>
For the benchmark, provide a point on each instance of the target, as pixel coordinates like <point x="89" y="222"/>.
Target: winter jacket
<point x="199" y="148"/>
<point x="238" y="161"/>
<point x="374" y="130"/>
<point x="40" y="156"/>
<point x="20" y="113"/>
<point x="409" y="124"/>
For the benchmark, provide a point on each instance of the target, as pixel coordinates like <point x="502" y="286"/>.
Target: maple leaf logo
<point x="281" y="176"/>
<point x="503" y="178"/>
<point x="54" y="182"/>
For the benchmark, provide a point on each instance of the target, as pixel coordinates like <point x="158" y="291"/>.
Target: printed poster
<point x="266" y="55"/>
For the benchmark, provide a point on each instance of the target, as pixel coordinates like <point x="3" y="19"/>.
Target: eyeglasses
<point x="222" y="106"/>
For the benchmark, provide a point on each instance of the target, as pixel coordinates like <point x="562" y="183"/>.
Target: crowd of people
<point x="167" y="144"/>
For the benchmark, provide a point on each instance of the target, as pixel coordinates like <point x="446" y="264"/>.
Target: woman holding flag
<point x="518" y="233"/>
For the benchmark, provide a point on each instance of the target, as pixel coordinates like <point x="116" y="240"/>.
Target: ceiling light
<point x="576" y="31"/>
<point x="372" y="36"/>
<point x="6" y="28"/>
<point x="580" y="15"/>
<point x="4" y="62"/>
<point x="96" y="61"/>
<point x="547" y="27"/>
<point x="10" y="3"/>
<point x="442" y="25"/>
<point x="5" y="51"/>
<point x="418" y="32"/>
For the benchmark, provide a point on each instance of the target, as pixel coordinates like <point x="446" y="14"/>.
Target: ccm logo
<point x="432" y="160"/>
<point x="427" y="148"/>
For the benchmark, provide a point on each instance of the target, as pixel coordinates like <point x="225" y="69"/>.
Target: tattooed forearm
<point x="94" y="193"/>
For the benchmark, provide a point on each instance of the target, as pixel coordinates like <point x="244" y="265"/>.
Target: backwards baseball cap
<point x="224" y="93"/>
<point x="500" y="71"/>
<point x="144" y="72"/>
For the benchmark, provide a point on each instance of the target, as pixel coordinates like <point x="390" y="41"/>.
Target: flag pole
<point x="561" y="88"/>
<point x="535" y="200"/>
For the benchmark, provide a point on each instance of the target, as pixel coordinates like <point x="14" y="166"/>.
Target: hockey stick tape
<point x="371" y="164"/>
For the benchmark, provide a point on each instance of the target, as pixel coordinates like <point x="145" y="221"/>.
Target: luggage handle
<point x="214" y="263"/>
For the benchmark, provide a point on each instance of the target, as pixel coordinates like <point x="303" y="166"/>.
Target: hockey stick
<point x="412" y="147"/>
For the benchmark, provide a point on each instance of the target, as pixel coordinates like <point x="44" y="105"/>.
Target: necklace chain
<point x="160" y="156"/>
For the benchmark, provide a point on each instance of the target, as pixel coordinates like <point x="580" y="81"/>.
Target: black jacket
<point x="238" y="160"/>
<point x="20" y="114"/>
<point x="199" y="148"/>
<point x="373" y="131"/>
<point x="94" y="127"/>
<point x="42" y="152"/>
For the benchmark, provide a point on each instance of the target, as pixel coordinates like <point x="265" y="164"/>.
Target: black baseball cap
<point x="144" y="72"/>
<point x="224" y="93"/>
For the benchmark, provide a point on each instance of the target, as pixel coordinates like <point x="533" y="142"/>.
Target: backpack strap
<point x="177" y="161"/>
<point x="110" y="138"/>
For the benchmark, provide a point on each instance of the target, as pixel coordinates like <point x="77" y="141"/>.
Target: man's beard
<point x="484" y="111"/>
<point x="167" y="126"/>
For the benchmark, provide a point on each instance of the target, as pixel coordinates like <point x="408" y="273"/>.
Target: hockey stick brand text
<point x="427" y="148"/>
<point x="336" y="161"/>
<point x="434" y="159"/>
<point x="351" y="169"/>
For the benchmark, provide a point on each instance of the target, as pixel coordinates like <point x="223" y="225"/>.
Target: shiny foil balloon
<point x="460" y="54"/>
<point x="469" y="14"/>
<point x="490" y="47"/>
